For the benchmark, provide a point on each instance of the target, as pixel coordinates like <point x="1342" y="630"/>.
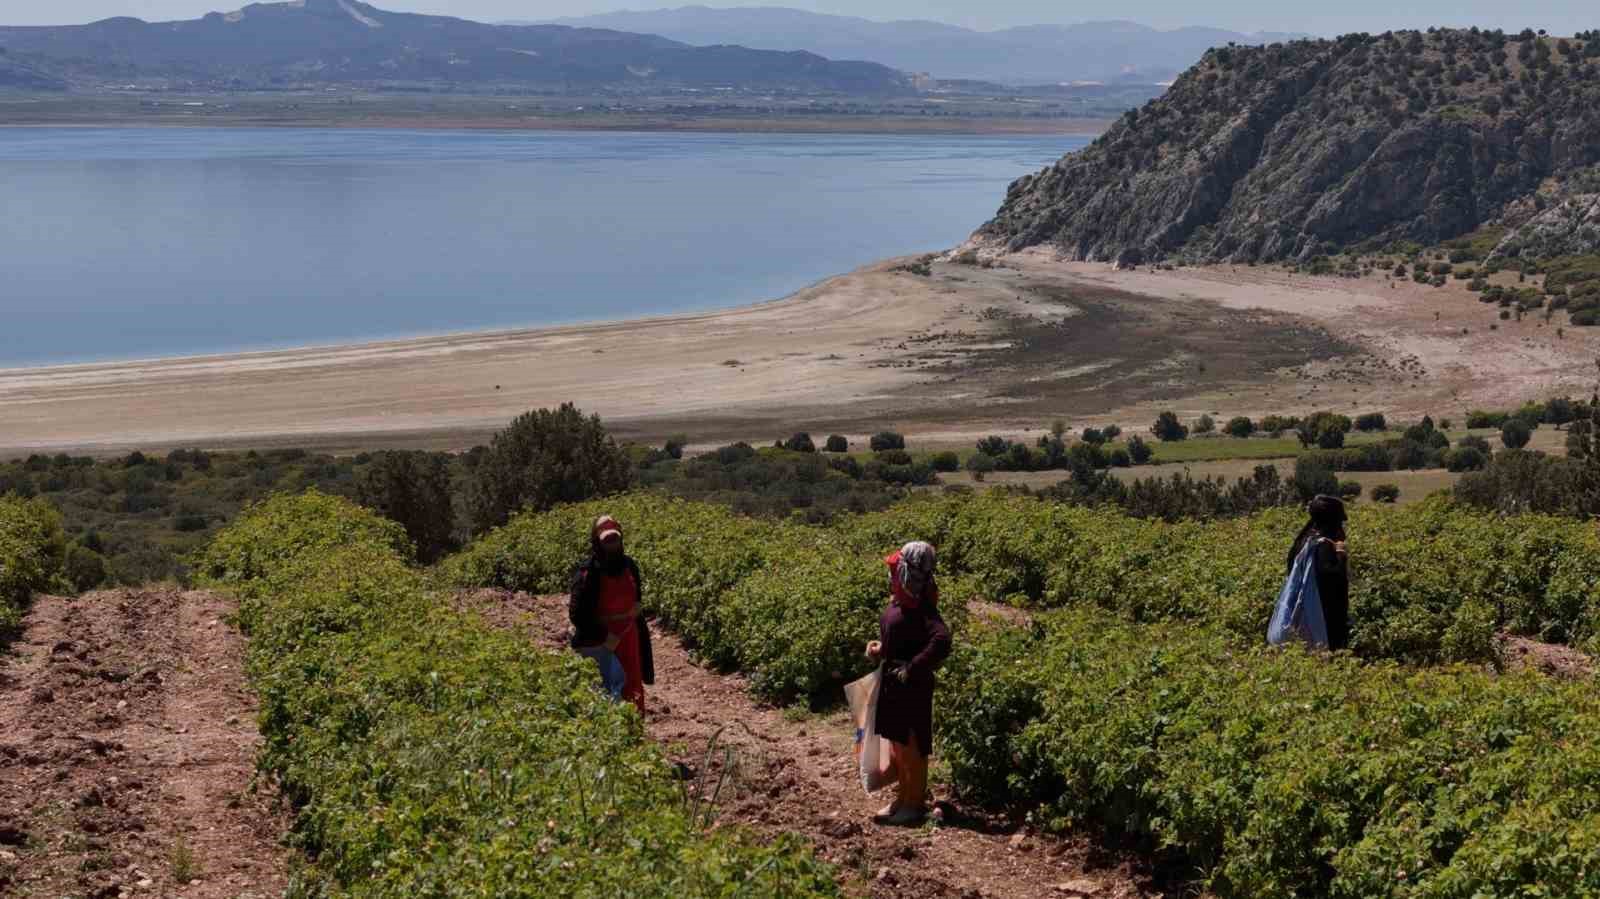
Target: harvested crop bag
<point x="871" y="750"/>
<point x="1298" y="615"/>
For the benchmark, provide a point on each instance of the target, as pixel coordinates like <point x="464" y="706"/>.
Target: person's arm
<point x="1331" y="558"/>
<point x="935" y="651"/>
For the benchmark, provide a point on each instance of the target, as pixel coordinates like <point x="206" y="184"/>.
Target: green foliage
<point x="837" y="443"/>
<point x="1205" y="425"/>
<point x="1277" y="772"/>
<point x="782" y="602"/>
<point x="412" y="489"/>
<point x="1325" y="430"/>
<point x="887" y="440"/>
<point x="1139" y="451"/>
<point x="800" y="443"/>
<point x="1515" y="434"/>
<point x="85" y="569"/>
<point x="428" y="753"/>
<point x="33" y="550"/>
<point x="1240" y="426"/>
<point x="1168" y="428"/>
<point x="1386" y="493"/>
<point x="1372" y="421"/>
<point x="543" y="458"/>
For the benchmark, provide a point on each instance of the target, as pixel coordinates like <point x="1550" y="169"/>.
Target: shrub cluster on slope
<point x="1305" y="148"/>
<point x="430" y="754"/>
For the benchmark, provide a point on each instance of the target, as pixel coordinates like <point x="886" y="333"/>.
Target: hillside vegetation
<point x="1308" y="148"/>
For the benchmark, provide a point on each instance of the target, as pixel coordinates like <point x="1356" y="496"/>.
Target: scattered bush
<point x="1350" y="490"/>
<point x="837" y="444"/>
<point x="1139" y="451"/>
<point x="887" y="440"/>
<point x="1240" y="426"/>
<point x="1168" y="428"/>
<point x="945" y="461"/>
<point x="1515" y="434"/>
<point x="1386" y="493"/>
<point x="800" y="443"/>
<point x="1204" y="425"/>
<point x="1372" y="421"/>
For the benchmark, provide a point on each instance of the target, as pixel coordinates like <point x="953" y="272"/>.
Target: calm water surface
<point x="132" y="243"/>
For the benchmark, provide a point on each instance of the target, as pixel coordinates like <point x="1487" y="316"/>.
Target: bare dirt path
<point x="794" y="774"/>
<point x="127" y="750"/>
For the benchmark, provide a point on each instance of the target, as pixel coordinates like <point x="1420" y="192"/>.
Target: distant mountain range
<point x="312" y="42"/>
<point x="1092" y="51"/>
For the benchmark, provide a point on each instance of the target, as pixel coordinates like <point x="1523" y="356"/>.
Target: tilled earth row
<point x="127" y="753"/>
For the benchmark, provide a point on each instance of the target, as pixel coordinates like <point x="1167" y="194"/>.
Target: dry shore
<point x="946" y="356"/>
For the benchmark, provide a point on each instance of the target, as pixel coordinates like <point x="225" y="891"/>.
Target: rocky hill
<point x="314" y="42"/>
<point x="1293" y="150"/>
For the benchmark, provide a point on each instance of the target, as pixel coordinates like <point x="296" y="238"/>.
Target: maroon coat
<point x="918" y="640"/>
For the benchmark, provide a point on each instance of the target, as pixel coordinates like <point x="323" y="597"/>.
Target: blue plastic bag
<point x="1298" y="614"/>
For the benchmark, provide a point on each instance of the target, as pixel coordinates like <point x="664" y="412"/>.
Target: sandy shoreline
<point x="959" y="352"/>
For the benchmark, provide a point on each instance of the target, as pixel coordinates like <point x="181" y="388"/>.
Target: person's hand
<point x="874" y="650"/>
<point x="1338" y="547"/>
<point x="903" y="674"/>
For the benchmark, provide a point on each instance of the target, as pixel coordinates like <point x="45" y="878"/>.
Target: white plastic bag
<point x="871" y="750"/>
<point x="1298" y="613"/>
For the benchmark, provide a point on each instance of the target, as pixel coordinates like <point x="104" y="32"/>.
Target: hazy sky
<point x="1561" y="16"/>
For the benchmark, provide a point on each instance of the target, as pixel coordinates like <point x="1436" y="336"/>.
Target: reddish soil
<point x="127" y="752"/>
<point x="794" y="773"/>
<point x="1547" y="658"/>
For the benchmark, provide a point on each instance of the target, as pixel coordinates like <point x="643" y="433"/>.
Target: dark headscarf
<point x="1327" y="518"/>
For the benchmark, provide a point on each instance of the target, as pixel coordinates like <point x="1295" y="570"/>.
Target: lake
<point x="126" y="243"/>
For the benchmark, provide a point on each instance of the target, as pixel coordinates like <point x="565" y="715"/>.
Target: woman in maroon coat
<point x="912" y="642"/>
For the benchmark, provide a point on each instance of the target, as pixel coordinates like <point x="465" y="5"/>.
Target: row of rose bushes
<point x="787" y="602"/>
<point x="430" y="754"/>
<point x="33" y="548"/>
<point x="1278" y="773"/>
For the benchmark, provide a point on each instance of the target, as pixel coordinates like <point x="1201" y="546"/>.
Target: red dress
<point x="619" y="611"/>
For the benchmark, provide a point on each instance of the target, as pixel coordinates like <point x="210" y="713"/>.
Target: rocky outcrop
<point x="1569" y="228"/>
<point x="1288" y="151"/>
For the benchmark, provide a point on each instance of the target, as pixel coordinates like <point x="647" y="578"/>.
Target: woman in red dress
<point x="912" y="642"/>
<point x="608" y="616"/>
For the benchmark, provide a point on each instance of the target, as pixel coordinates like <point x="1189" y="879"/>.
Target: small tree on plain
<point x="1515" y="434"/>
<point x="1240" y="426"/>
<point x="1168" y="428"/>
<point x="887" y="440"/>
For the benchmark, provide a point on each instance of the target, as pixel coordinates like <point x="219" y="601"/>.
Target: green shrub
<point x="1515" y="434"/>
<point x="1386" y="493"/>
<point x="800" y="443"/>
<point x="1240" y="427"/>
<point x="1168" y="428"/>
<point x="945" y="461"/>
<point x="33" y="550"/>
<point x="837" y="444"/>
<point x="543" y="458"/>
<point x="428" y="753"/>
<point x="887" y="440"/>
